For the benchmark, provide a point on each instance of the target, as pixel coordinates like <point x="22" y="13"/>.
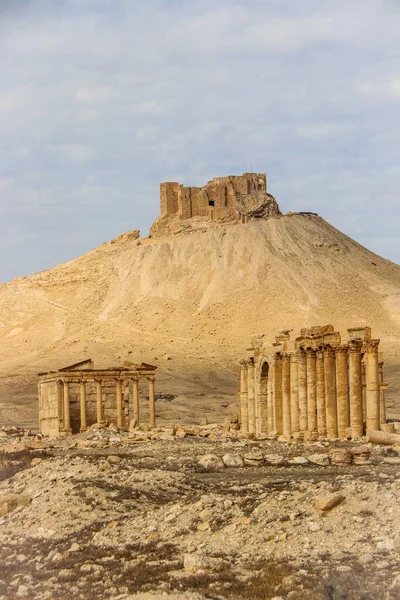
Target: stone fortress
<point x="313" y="387"/>
<point x="231" y="199"/>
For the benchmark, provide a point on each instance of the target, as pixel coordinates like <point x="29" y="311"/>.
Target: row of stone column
<point x="313" y="392"/>
<point x="63" y="399"/>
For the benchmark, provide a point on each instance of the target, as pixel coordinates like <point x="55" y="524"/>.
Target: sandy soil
<point x="189" y="303"/>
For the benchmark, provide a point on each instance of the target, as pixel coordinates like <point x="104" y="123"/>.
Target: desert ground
<point x="199" y="514"/>
<point x="190" y="511"/>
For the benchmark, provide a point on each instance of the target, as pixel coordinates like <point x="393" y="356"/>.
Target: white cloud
<point x="77" y="152"/>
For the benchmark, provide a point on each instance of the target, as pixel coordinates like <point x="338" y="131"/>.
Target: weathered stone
<point x="298" y="460"/>
<point x="274" y="459"/>
<point x="113" y="459"/>
<point x="341" y="457"/>
<point x="319" y="459"/>
<point x="12" y="501"/>
<point x="233" y="460"/>
<point x="255" y="458"/>
<point x="328" y="502"/>
<point x="360" y="454"/>
<point x="392" y="460"/>
<point x="211" y="462"/>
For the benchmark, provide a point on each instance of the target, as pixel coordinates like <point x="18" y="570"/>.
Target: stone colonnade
<point x="313" y="387"/>
<point x="57" y="385"/>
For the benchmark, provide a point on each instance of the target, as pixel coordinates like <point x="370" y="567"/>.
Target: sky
<point x="101" y="100"/>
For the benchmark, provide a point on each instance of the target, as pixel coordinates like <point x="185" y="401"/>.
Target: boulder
<point x="233" y="460"/>
<point x="274" y="459"/>
<point x="211" y="462"/>
<point x="341" y="457"/>
<point x="328" y="502"/>
<point x="319" y="458"/>
<point x="254" y="458"/>
<point x="361" y="455"/>
<point x="298" y="460"/>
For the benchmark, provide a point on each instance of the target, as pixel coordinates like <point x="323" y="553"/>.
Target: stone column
<point x="364" y="390"/>
<point x="342" y="389"/>
<point x="135" y="401"/>
<point x="60" y="401"/>
<point x="271" y="401"/>
<point x="99" y="403"/>
<point x="83" y="406"/>
<point x="263" y="399"/>
<point x="251" y="397"/>
<point x="152" y="405"/>
<point x="278" y="395"/>
<point x="330" y="392"/>
<point x="118" y="395"/>
<point x="294" y="395"/>
<point x="311" y="394"/>
<point x="372" y="381"/>
<point x="67" y="420"/>
<point x="243" y="397"/>
<point x="302" y="370"/>
<point x="286" y="413"/>
<point x="382" y="406"/>
<point x="320" y="388"/>
<point x="355" y="389"/>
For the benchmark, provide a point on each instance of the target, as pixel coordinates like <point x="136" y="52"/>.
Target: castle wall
<point x="169" y="198"/>
<point x="218" y="199"/>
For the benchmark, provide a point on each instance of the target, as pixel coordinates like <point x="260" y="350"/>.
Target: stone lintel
<point x="359" y="333"/>
<point x="316" y="330"/>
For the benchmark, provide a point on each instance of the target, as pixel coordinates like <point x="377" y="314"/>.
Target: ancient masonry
<point x="237" y="197"/>
<point x="313" y="387"/>
<point x="75" y="397"/>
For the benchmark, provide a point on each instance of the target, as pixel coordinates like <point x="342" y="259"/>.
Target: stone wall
<point x="232" y="197"/>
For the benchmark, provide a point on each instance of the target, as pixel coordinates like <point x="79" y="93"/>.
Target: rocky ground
<point x="197" y="513"/>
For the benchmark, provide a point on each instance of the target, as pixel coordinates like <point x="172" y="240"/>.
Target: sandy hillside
<point x="189" y="304"/>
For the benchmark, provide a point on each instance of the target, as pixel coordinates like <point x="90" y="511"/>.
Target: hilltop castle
<point x="235" y="198"/>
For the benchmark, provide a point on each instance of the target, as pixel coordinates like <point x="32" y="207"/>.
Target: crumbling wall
<point x="235" y="198"/>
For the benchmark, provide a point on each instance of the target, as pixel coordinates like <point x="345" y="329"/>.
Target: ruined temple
<point x="314" y="386"/>
<point x="235" y="198"/>
<point x="77" y="396"/>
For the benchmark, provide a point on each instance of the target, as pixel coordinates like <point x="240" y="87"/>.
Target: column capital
<point x="355" y="346"/>
<point x="294" y="355"/>
<point x="329" y="351"/>
<point x="371" y="346"/>
<point x="319" y="352"/>
<point x="342" y="349"/>
<point x="243" y="363"/>
<point x="310" y="352"/>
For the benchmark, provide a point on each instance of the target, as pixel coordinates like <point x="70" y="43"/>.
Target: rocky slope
<point x="189" y="304"/>
<point x="207" y="516"/>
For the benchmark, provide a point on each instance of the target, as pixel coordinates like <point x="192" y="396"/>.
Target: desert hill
<point x="189" y="304"/>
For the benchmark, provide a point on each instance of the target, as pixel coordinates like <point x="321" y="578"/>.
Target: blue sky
<point x="101" y="100"/>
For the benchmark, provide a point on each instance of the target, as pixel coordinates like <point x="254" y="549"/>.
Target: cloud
<point x="101" y="100"/>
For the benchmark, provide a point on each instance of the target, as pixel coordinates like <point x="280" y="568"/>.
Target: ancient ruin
<point x="235" y="198"/>
<point x="75" y="397"/>
<point x="314" y="386"/>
